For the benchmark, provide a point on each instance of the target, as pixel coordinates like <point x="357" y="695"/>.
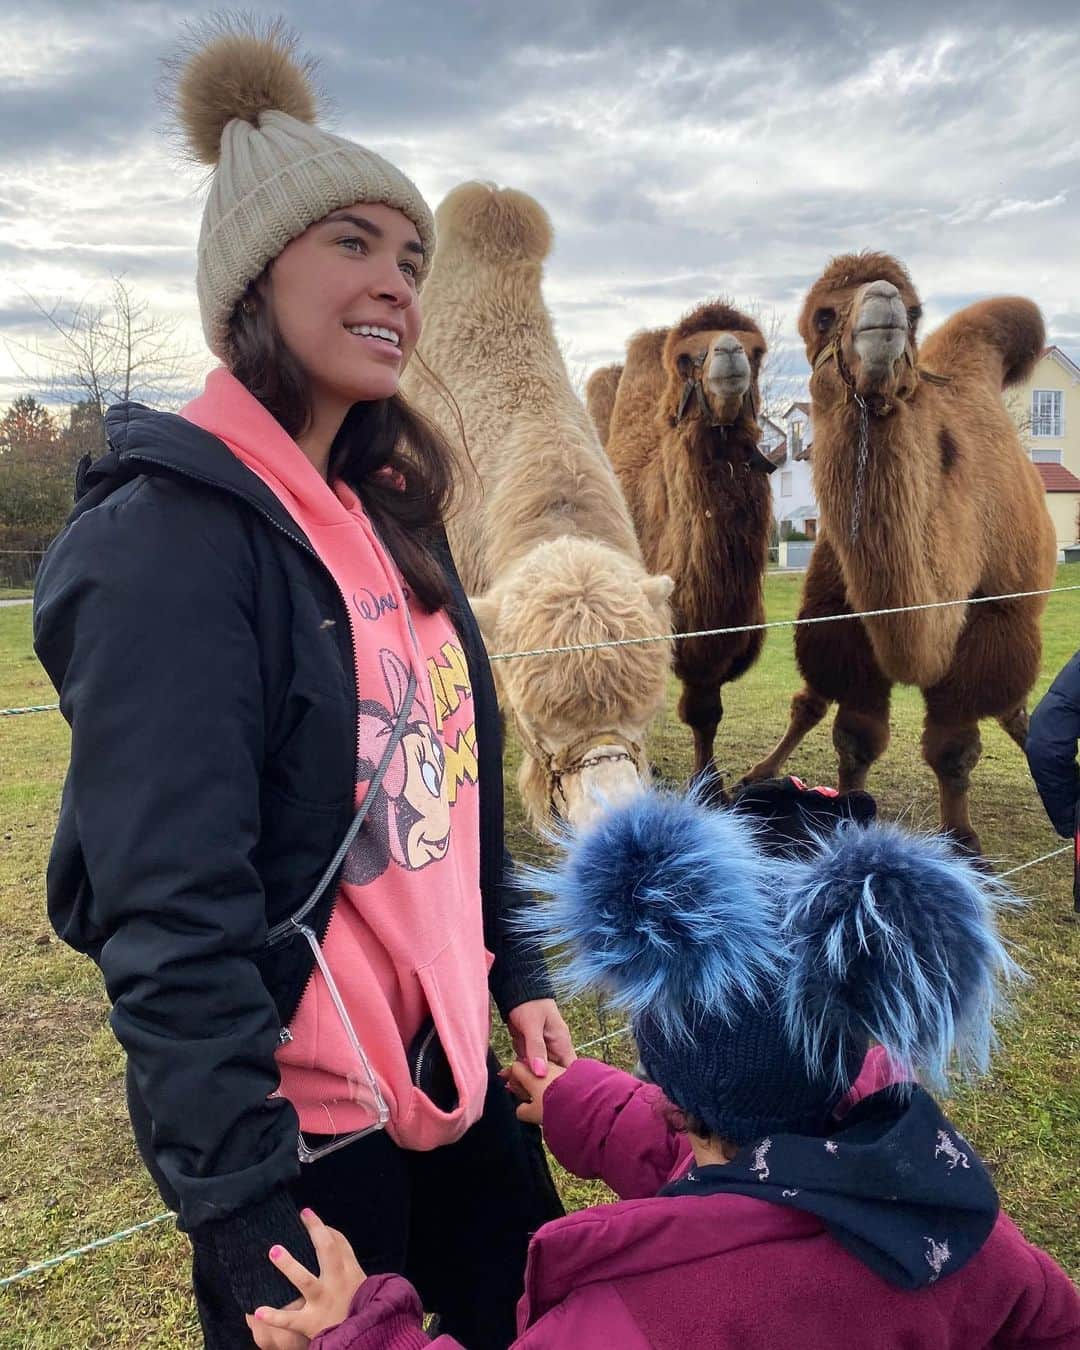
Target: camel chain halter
<point x="558" y="765"/>
<point x="834" y="352"/>
<point x="692" y="389"/>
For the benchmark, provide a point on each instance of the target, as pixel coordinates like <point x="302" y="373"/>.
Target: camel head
<point x="858" y="324"/>
<point x="711" y="360"/>
<point x="580" y="717"/>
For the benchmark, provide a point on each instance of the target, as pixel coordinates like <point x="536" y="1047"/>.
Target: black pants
<point x="455" y="1221"/>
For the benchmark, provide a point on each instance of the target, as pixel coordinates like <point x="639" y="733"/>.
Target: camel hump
<point x="1010" y="324"/>
<point x="600" y="390"/>
<point x="496" y="224"/>
<point x="645" y="346"/>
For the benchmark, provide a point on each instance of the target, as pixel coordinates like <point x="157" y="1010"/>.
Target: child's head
<point x="755" y="983"/>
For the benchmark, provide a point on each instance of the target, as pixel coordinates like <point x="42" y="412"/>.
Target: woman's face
<point x="343" y="296"/>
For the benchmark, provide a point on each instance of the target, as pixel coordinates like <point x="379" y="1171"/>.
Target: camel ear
<point x="658" y="590"/>
<point x="486" y="609"/>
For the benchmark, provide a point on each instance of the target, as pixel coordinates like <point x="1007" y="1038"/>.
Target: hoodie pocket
<point x="454" y="984"/>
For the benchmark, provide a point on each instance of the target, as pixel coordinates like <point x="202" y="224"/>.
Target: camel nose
<point x="885" y="289"/>
<point x="728" y="366"/>
<point x="727" y="342"/>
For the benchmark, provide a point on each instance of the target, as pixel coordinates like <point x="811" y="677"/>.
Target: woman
<point x="258" y="638"/>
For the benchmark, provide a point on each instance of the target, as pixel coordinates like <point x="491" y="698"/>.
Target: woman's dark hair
<point x="406" y="502"/>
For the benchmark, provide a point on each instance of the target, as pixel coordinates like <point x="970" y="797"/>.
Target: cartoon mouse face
<point x="409" y="821"/>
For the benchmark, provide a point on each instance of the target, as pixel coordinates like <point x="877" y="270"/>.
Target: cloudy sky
<point x="682" y="149"/>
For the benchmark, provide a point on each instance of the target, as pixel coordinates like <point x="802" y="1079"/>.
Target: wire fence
<point x="705" y="632"/>
<point x="99" y="1243"/>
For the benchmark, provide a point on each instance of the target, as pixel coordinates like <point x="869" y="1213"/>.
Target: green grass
<point x="16" y="593"/>
<point x="70" y="1172"/>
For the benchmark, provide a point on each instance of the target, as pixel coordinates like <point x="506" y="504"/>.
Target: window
<point x="810" y="528"/>
<point x="1047" y="412"/>
<point x="1046" y="456"/>
<point x="796" y="436"/>
<point x="785" y="485"/>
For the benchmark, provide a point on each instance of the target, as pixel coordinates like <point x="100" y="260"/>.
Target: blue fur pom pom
<point x="893" y="936"/>
<point x="665" y="906"/>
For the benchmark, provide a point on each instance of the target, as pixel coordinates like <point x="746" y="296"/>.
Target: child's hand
<point x="529" y="1089"/>
<point x="326" y="1296"/>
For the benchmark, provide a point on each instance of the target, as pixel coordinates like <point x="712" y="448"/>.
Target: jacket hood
<point x="895" y="1184"/>
<point x="143" y="441"/>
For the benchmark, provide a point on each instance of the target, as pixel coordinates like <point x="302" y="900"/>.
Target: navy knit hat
<point x="755" y="984"/>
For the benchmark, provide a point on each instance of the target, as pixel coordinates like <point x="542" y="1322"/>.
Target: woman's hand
<point x="529" y="1089"/>
<point x="325" y="1298"/>
<point x="539" y="1034"/>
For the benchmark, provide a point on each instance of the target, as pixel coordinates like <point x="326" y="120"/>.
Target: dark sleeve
<point x="1052" y="745"/>
<point x="520" y="972"/>
<point x="144" y="624"/>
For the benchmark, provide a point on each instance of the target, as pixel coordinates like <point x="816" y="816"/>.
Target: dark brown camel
<point x="926" y="496"/>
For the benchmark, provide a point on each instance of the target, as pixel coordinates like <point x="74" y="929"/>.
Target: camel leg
<point x="700" y="708"/>
<point x="807" y="710"/>
<point x="1015" y="723"/>
<point x="952" y="751"/>
<point x="860" y="737"/>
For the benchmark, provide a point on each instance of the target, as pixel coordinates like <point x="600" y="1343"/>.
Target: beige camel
<point x="683" y="438"/>
<point x="543" y="538"/>
<point x="926" y="495"/>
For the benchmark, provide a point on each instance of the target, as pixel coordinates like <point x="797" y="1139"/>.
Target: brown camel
<point x="926" y="495"/>
<point x="683" y="440"/>
<point x="600" y="390"/>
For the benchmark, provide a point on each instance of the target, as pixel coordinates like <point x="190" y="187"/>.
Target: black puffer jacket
<point x="203" y="657"/>
<point x="1052" y="746"/>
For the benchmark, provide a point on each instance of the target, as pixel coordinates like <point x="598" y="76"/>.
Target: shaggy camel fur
<point x="925" y="495"/>
<point x="683" y="440"/>
<point x="600" y="390"/>
<point x="543" y="538"/>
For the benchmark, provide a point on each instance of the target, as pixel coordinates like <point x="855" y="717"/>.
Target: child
<point x="806" y="1203"/>
<point x="1051" y="752"/>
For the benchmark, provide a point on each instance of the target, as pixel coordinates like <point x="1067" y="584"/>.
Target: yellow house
<point x="1047" y="411"/>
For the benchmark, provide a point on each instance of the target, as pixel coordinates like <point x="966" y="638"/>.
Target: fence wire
<point x="703" y="632"/>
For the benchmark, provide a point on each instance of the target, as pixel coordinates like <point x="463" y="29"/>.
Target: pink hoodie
<point x="406" y="936"/>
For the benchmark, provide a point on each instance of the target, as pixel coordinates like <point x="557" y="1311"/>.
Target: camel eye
<point x="824" y="319"/>
<point x="914" y="314"/>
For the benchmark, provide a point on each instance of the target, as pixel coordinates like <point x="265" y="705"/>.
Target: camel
<point x="683" y="438"/>
<point x="926" y="495"/>
<point x="600" y="390"/>
<point x="542" y="537"/>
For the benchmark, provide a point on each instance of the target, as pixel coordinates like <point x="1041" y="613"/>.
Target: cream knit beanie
<point x="247" y="107"/>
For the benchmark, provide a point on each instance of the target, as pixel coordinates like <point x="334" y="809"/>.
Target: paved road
<point x="5" y="603"/>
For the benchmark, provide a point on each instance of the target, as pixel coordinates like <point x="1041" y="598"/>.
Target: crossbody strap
<point x="296" y="920"/>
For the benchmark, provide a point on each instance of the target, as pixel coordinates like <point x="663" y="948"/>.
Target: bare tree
<point x="109" y="352"/>
<point x="776" y="388"/>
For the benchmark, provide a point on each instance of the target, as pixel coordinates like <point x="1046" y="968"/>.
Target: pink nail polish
<point x="539" y="1067"/>
<point x="275" y="1253"/>
<point x="260" y="1316"/>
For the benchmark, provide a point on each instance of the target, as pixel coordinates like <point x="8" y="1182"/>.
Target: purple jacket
<point x="723" y="1272"/>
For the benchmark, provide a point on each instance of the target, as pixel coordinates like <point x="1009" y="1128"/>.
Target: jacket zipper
<point x="290" y="924"/>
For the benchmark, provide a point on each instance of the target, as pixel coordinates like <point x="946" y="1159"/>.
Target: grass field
<point x="69" y="1172"/>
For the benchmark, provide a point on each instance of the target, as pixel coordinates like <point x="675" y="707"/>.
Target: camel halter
<point x="693" y="390"/>
<point x="834" y="352"/>
<point x="580" y="754"/>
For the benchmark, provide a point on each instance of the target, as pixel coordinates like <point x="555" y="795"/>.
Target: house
<point x="794" y="504"/>
<point x="1047" y="411"/>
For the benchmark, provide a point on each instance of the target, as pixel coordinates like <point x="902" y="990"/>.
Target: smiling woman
<point x="282" y="839"/>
